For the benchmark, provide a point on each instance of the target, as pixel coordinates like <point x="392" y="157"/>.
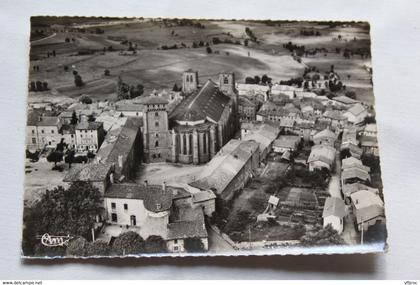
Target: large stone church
<point x="205" y="120"/>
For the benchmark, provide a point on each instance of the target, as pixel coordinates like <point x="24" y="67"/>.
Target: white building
<point x="334" y="212"/>
<point x="356" y="114"/>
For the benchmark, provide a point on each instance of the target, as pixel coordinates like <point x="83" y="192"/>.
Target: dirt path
<point x="43" y="39"/>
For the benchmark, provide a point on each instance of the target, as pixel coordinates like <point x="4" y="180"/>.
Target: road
<point x="334" y="187"/>
<point x="43" y="39"/>
<point x="217" y="244"/>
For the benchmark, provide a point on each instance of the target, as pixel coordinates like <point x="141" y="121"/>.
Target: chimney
<point x="164" y="186"/>
<point x="120" y="161"/>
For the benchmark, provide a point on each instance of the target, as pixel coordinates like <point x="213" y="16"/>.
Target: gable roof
<point x="334" y="207"/>
<point x="208" y="102"/>
<point x="225" y="165"/>
<point x="89" y="125"/>
<point x="287" y="141"/>
<point x="327" y="133"/>
<point x="368" y="205"/>
<point x="349" y="189"/>
<point x="186" y="229"/>
<point x="355" y="172"/>
<point x="324" y="153"/>
<point x="91" y="172"/>
<point x="356" y="109"/>
<point x="152" y="100"/>
<point x="264" y="134"/>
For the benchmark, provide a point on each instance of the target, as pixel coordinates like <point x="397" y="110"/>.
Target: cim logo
<point x="50" y="241"/>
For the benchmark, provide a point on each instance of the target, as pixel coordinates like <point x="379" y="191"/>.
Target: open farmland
<point x="91" y="54"/>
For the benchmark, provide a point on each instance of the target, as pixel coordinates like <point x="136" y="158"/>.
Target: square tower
<point x="189" y="81"/>
<point x="227" y="83"/>
<point x="156" y="137"/>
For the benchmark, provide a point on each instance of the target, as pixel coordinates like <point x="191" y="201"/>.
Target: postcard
<point x="191" y="137"/>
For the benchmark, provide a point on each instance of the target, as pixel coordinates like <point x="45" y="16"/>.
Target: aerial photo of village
<point x="200" y="137"/>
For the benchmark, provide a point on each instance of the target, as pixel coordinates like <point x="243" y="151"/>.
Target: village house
<point x="68" y="134"/>
<point x="326" y="137"/>
<point x="370" y="130"/>
<point x="335" y="117"/>
<point x="159" y="210"/>
<point x="356" y="114"/>
<point x="348" y="189"/>
<point x="321" y="156"/>
<point x="344" y="101"/>
<point x="260" y="92"/>
<point x="230" y="169"/>
<point x="129" y="109"/>
<point x="262" y="133"/>
<point x="369" y="145"/>
<point x="354" y="174"/>
<point x="333" y="213"/>
<point x="286" y="143"/>
<point x="42" y="131"/>
<point x="89" y="136"/>
<point x="352" y="148"/>
<point x="205" y="200"/>
<point x="351" y="162"/>
<point x="368" y="208"/>
<point x="122" y="148"/>
<point x="247" y="109"/>
<point x="99" y="175"/>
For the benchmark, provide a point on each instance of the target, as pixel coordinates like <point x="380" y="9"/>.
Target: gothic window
<point x="156" y="143"/>
<point x="188" y="78"/>
<point x="204" y="143"/>
<point x="156" y="114"/>
<point x="184" y="142"/>
<point x="156" y="124"/>
<point x="191" y="144"/>
<point x="225" y="80"/>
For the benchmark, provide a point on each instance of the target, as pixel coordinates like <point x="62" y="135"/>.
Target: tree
<point x="257" y="79"/>
<point x="98" y="248"/>
<point x="249" y="80"/>
<point x="74" y="119"/>
<point x="175" y="88"/>
<point x="62" y="211"/>
<point x="78" y="80"/>
<point x="44" y="85"/>
<point x="155" y="244"/>
<point x="61" y="145"/>
<point x="55" y="156"/>
<point x="107" y="72"/>
<point x="39" y="86"/>
<point x="77" y="247"/>
<point x="136" y="91"/>
<point x="91" y="118"/>
<point x="209" y="50"/>
<point x="128" y="243"/>
<point x="85" y="99"/>
<point x="351" y="94"/>
<point x="194" y="245"/>
<point x="70" y="157"/>
<point x="321" y="236"/>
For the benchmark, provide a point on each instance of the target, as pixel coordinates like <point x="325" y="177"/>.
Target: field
<point x="156" y="68"/>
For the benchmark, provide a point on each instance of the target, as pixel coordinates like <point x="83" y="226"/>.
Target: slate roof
<point x="208" y="102"/>
<point x="367" y="205"/>
<point x="349" y="189"/>
<point x="203" y="196"/>
<point x="345" y="100"/>
<point x="264" y="134"/>
<point x="334" y="115"/>
<point x="36" y="118"/>
<point x="327" y="133"/>
<point x="322" y="153"/>
<point x="155" y="199"/>
<point x="186" y="229"/>
<point x="89" y="125"/>
<point x="287" y="141"/>
<point x="90" y="172"/>
<point x="334" y="207"/>
<point x="148" y="100"/>
<point x="355" y="172"/>
<point x="225" y="165"/>
<point x="356" y="109"/>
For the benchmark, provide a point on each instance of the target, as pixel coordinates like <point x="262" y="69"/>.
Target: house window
<point x="114" y="218"/>
<point x="156" y="124"/>
<point x="175" y="248"/>
<point x="156" y="114"/>
<point x="125" y="207"/>
<point x="175" y="241"/>
<point x="42" y="131"/>
<point x="113" y="206"/>
<point x="225" y="80"/>
<point x="204" y="143"/>
<point x="71" y="136"/>
<point x="33" y="131"/>
<point x="137" y="113"/>
<point x="156" y="143"/>
<point x="133" y="220"/>
<point x="33" y="140"/>
<point x="52" y="131"/>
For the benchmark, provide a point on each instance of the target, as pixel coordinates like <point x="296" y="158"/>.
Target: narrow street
<point x="334" y="186"/>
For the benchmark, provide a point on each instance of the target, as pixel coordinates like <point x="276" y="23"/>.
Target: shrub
<point x="155" y="244"/>
<point x="98" y="248"/>
<point x="128" y="243"/>
<point x="107" y="72"/>
<point x="77" y="247"/>
<point x="194" y="245"/>
<point x="85" y="99"/>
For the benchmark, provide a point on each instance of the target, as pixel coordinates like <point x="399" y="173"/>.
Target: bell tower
<point x="189" y="81"/>
<point x="227" y="83"/>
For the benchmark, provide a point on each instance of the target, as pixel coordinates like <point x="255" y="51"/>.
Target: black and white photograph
<point x="191" y="137"/>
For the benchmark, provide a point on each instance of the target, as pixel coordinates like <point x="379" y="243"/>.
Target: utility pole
<point x="361" y="236"/>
